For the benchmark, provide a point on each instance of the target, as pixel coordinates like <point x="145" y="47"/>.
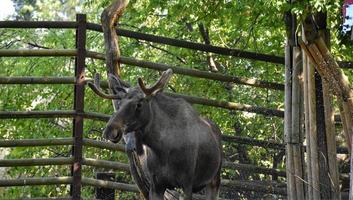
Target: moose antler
<point x="97" y="89"/>
<point x="158" y="86"/>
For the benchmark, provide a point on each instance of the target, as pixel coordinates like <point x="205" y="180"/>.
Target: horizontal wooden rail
<point x="61" y="141"/>
<point x="148" y="37"/>
<point x="192" y="72"/>
<point x="106" y="164"/>
<point x="52" y="114"/>
<point x="192" y="45"/>
<point x="190" y="99"/>
<point x="109" y="184"/>
<point x="253" y="169"/>
<point x="37" y="114"/>
<point x="157" y="39"/>
<point x="253" y="142"/>
<point x="103" y="145"/>
<point x="49" y="198"/>
<point x="266" y="144"/>
<point x="230" y="105"/>
<point x="36" y="162"/>
<point x="36" y="142"/>
<point x="37" y="52"/>
<point x="95" y="116"/>
<point x="39" y="24"/>
<point x="36" y="181"/>
<point x="201" y="74"/>
<point x="119" y="147"/>
<point x="129" y="61"/>
<point x="258" y="186"/>
<point x="37" y="80"/>
<point x="265" y="187"/>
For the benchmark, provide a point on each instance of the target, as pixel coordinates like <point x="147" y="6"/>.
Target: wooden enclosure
<point x="78" y="141"/>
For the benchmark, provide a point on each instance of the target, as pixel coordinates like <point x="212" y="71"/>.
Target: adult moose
<point x="177" y="148"/>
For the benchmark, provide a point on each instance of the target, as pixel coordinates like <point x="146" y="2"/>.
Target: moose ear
<point x="117" y="85"/>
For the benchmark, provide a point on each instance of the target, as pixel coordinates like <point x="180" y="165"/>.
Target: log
<point x="36" y="80"/>
<point x="109" y="184"/>
<point x="103" y="145"/>
<point x="157" y="39"/>
<point x="296" y="139"/>
<point x="39" y="24"/>
<point x="229" y="105"/>
<point x="125" y="60"/>
<point x="331" y="154"/>
<point x="52" y="114"/>
<point x="38" y="52"/>
<point x="36" y="142"/>
<point x="201" y="74"/>
<point x="253" y="168"/>
<point x="291" y="189"/>
<point x="331" y="140"/>
<point x="36" y="181"/>
<point x="37" y="114"/>
<point x="263" y="187"/>
<point x="192" y="45"/>
<point x="306" y="66"/>
<point x="313" y="134"/>
<point x="106" y="164"/>
<point x="36" y="162"/>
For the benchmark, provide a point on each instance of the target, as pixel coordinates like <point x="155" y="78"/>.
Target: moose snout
<point x="112" y="134"/>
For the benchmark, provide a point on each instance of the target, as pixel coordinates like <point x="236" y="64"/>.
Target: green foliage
<point x="255" y="26"/>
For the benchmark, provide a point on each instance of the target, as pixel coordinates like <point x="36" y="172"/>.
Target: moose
<point x="176" y="147"/>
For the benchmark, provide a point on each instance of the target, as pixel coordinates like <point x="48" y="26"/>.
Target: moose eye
<point x="138" y="106"/>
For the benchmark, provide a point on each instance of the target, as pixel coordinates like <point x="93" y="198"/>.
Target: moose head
<point x="132" y="106"/>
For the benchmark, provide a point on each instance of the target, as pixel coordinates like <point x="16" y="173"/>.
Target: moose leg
<point x="212" y="188"/>
<point x="153" y="195"/>
<point x="156" y="194"/>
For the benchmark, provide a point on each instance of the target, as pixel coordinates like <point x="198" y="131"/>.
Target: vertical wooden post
<point x="79" y="89"/>
<point x="330" y="127"/>
<point x="313" y="163"/>
<point x="321" y="151"/>
<point x="309" y="191"/>
<point x="296" y="139"/>
<point x="291" y="192"/>
<point x="329" y="182"/>
<point x="293" y="120"/>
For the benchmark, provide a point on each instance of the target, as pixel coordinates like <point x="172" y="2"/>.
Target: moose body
<point x="177" y="147"/>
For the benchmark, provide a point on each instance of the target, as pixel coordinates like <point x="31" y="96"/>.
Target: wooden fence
<point x="77" y="141"/>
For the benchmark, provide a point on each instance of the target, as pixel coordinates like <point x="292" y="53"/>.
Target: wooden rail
<point x="36" y="162"/>
<point x="144" y="64"/>
<point x="36" y="181"/>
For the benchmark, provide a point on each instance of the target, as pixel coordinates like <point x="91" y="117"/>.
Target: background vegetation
<point x="255" y="25"/>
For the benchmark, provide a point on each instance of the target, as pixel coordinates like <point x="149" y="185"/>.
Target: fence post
<point x="79" y="89"/>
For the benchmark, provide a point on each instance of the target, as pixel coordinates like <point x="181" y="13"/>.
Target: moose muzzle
<point x="112" y="134"/>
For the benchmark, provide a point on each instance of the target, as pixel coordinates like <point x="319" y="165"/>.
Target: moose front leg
<point x="156" y="193"/>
